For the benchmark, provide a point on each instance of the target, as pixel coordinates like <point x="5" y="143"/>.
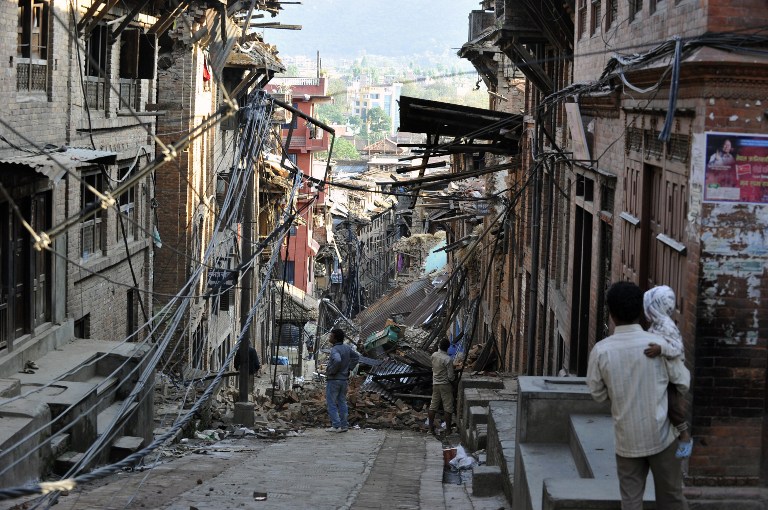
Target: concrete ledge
<point x="501" y="443"/>
<point x="26" y="423"/>
<point x="584" y="494"/>
<point x="591" y="446"/>
<point x="536" y="462"/>
<point x="46" y="338"/>
<point x="10" y="388"/>
<point x="486" y="481"/>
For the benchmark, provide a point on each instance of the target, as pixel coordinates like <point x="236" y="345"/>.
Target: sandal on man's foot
<point x="31" y="365"/>
<point x="684" y="449"/>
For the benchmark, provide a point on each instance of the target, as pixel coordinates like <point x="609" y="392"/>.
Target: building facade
<point x="301" y="140"/>
<point x="643" y="166"/>
<point x="66" y="150"/>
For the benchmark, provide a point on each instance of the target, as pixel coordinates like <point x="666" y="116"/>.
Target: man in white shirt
<point x="636" y="385"/>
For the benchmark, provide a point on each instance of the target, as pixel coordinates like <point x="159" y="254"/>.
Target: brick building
<point x="200" y="195"/>
<point x="643" y="165"/>
<point x="69" y="139"/>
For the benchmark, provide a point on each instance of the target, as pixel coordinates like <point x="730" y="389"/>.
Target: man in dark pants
<point x="342" y="358"/>
<point x="636" y="385"/>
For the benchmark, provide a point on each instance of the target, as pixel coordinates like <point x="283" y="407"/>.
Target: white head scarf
<point x="659" y="304"/>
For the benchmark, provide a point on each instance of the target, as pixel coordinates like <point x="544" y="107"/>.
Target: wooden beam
<point x="136" y="10"/>
<point x="406" y="169"/>
<point x="88" y="14"/>
<point x="103" y="12"/>
<point x="166" y="19"/>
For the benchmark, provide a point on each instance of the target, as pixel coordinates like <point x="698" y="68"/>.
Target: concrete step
<point x="106" y="416"/>
<point x="591" y="446"/>
<point x="59" y="444"/>
<point x="536" y="462"/>
<point x="486" y="481"/>
<point x="583" y="494"/>
<point x="66" y="461"/>
<point x="124" y="446"/>
<point x="103" y="383"/>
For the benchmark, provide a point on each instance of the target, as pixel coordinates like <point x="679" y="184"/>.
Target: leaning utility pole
<point x="243" y="409"/>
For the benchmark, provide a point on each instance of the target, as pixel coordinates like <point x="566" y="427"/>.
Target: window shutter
<point x="129" y="53"/>
<point x="147" y="56"/>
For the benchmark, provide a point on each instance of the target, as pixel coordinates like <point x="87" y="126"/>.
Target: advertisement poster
<point x="736" y="168"/>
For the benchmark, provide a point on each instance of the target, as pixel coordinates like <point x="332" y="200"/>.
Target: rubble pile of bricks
<point x="305" y="407"/>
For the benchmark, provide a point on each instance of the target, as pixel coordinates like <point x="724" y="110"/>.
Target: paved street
<point x="362" y="469"/>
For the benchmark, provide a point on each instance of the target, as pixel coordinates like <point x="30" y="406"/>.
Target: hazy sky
<point x="351" y="28"/>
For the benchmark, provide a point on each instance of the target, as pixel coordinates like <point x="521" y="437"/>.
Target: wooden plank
<point x="88" y="14"/>
<point x="108" y="7"/>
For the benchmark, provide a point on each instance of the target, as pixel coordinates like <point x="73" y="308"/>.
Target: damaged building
<point x="643" y="165"/>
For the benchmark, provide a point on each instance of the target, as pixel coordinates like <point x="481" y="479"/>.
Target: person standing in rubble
<point x="442" y="387"/>
<point x="341" y="359"/>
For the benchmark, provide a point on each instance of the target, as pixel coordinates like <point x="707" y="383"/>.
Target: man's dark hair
<point x="337" y="336"/>
<point x="444" y="344"/>
<point x="625" y="301"/>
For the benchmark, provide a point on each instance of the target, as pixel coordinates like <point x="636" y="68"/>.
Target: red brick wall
<point x="731" y="350"/>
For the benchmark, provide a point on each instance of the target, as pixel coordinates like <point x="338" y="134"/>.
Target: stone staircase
<point x="550" y="446"/>
<point x="60" y="421"/>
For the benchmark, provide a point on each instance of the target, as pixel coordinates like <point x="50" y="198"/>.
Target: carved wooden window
<point x="32" y="45"/>
<point x="582" y="26"/>
<point x="596" y="13"/>
<point x="611" y="12"/>
<point x="97" y="68"/>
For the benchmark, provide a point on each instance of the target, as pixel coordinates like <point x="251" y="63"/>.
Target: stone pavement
<point x="361" y="469"/>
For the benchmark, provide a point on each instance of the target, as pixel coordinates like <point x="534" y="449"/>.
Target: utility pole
<point x="243" y="408"/>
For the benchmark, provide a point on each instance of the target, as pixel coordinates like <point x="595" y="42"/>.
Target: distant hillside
<point x="352" y="28"/>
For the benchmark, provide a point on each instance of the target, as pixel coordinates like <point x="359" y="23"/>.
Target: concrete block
<point x="59" y="444"/>
<point x="477" y="415"/>
<point x="10" y="388"/>
<point x="124" y="446"/>
<point x="486" y="481"/>
<point x="535" y="462"/>
<point x="64" y="462"/>
<point x="586" y="494"/>
<point x="594" y="454"/>
<point x="244" y="414"/>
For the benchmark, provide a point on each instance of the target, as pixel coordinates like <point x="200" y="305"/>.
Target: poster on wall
<point x="736" y="168"/>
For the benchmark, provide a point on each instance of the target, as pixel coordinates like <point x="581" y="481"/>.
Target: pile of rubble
<point x="305" y="407"/>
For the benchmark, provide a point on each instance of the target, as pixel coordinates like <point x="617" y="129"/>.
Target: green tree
<point x="379" y="124"/>
<point x="342" y="149"/>
<point x="331" y="113"/>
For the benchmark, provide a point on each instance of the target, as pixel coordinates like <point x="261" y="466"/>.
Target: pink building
<point x="302" y="139"/>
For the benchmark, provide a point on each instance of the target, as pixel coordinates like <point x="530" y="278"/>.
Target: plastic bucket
<point x="448" y="455"/>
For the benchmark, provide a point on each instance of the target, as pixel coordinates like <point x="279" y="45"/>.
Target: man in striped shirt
<point x="636" y="385"/>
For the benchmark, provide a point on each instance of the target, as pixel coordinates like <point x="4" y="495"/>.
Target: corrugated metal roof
<point x="398" y="302"/>
<point x="426" y="309"/>
<point x="385" y="387"/>
<point x="55" y="164"/>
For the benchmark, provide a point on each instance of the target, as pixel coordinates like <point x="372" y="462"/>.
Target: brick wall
<point x="732" y="314"/>
<point x="57" y="116"/>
